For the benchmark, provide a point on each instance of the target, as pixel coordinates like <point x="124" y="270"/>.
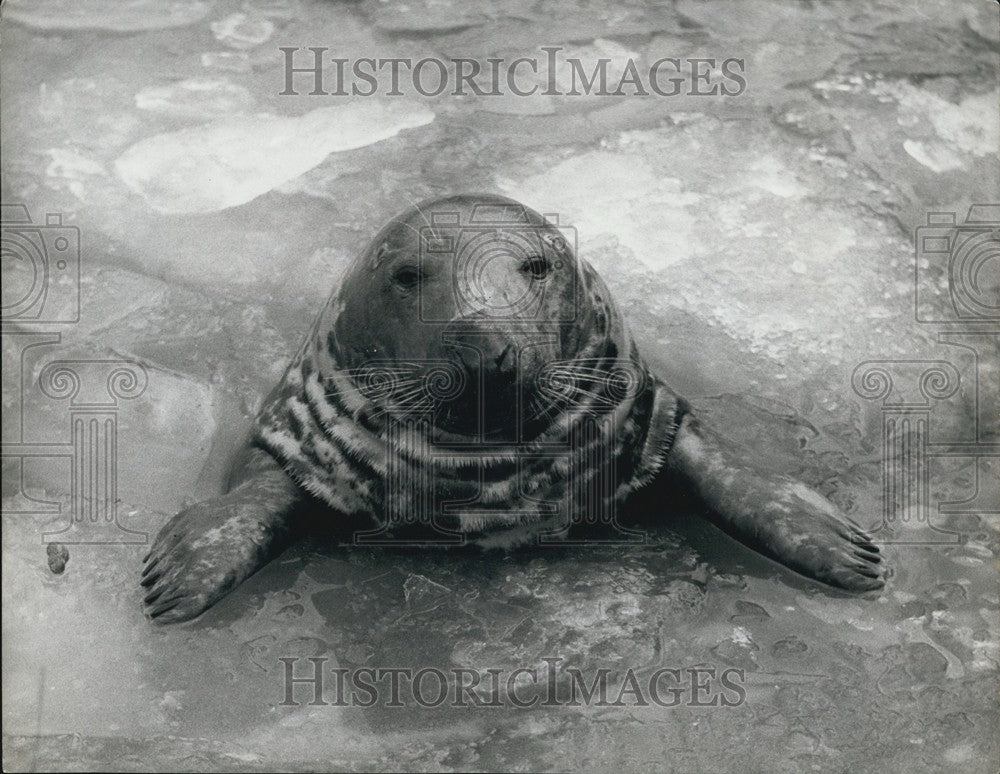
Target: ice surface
<point x="234" y="160"/>
<point x="761" y="246"/>
<point x="241" y="31"/>
<point x="128" y="16"/>
<point x="196" y="98"/>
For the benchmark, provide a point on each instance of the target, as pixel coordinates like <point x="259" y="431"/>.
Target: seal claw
<point x="149" y="580"/>
<point x="164" y="608"/>
<point x="873" y="558"/>
<point x="147" y="571"/>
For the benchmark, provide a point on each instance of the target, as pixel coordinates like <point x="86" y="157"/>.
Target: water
<point x="761" y="246"/>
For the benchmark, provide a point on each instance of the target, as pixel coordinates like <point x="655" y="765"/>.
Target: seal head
<point x="471" y="373"/>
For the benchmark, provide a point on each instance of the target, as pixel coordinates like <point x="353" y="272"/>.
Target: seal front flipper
<point x="774" y="514"/>
<point x="206" y="550"/>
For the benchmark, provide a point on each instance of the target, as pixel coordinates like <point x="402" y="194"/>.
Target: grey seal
<point x="471" y="380"/>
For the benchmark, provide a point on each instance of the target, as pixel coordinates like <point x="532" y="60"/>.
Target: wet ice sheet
<point x="762" y="249"/>
<point x="234" y="160"/>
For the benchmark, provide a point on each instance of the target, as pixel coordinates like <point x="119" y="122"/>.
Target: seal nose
<point x="482" y="344"/>
<point x="475" y="354"/>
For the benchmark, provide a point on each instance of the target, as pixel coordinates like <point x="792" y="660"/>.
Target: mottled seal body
<point x="472" y="380"/>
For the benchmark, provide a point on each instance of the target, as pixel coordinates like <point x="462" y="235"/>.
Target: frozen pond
<point x="762" y="248"/>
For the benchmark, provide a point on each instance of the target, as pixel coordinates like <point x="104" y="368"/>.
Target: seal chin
<point x="499" y="373"/>
<point x="491" y="407"/>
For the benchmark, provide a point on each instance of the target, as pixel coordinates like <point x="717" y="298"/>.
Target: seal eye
<point x="536" y="267"/>
<point x="407" y="277"/>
